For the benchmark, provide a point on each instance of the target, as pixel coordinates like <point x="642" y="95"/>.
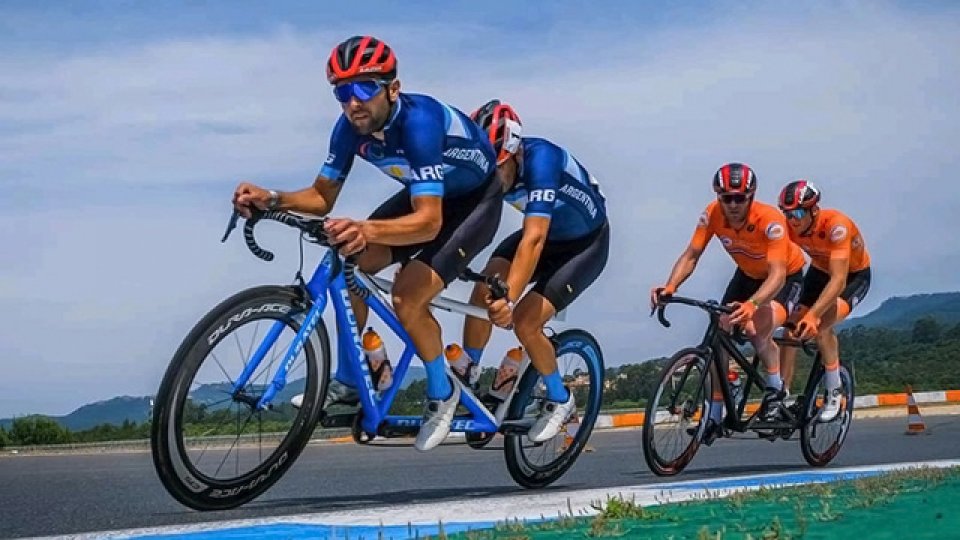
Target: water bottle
<point x="735" y="378"/>
<point x="380" y="369"/>
<point x="458" y="359"/>
<point x="507" y="374"/>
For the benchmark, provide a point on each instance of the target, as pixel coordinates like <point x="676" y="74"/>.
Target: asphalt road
<point x="64" y="494"/>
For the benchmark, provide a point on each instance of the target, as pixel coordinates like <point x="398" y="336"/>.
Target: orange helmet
<point x="361" y="55"/>
<point x="502" y="125"/>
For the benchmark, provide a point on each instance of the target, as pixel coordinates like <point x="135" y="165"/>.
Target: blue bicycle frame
<point x="329" y="278"/>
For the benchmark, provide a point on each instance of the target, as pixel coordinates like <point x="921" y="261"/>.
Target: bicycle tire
<point x="812" y="426"/>
<point x="521" y="468"/>
<point x="179" y="475"/>
<point x="683" y="359"/>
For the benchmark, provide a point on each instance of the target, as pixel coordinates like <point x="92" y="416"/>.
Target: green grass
<point x="915" y="503"/>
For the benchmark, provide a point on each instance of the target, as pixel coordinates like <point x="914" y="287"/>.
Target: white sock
<point x="716" y="411"/>
<point x="832" y="378"/>
<point x="774" y="380"/>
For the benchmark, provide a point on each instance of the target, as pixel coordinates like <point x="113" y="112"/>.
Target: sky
<point x="125" y="126"/>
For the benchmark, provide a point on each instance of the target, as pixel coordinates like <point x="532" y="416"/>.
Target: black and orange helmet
<point x="735" y="178"/>
<point x="361" y="55"/>
<point x="799" y="194"/>
<point x="502" y="125"/>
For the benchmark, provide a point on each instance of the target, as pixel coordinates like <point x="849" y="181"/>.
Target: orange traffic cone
<point x="915" y="425"/>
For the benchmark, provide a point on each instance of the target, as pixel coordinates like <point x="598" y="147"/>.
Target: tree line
<point x="882" y="360"/>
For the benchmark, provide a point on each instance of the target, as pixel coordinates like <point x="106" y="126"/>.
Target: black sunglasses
<point x="730" y="198"/>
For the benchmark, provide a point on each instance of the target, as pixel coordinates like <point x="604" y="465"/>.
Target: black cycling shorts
<point x="742" y="287"/>
<point x="470" y="222"/>
<point x="858" y="283"/>
<point x="566" y="268"/>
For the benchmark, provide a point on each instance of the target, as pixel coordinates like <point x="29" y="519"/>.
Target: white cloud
<point x="859" y="98"/>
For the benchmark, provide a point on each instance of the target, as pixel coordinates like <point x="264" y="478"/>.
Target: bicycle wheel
<point x="580" y="362"/>
<point x="211" y="448"/>
<point x="674" y="419"/>
<point x="821" y="441"/>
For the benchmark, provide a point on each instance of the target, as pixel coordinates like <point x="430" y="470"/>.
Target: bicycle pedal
<point x="337" y="420"/>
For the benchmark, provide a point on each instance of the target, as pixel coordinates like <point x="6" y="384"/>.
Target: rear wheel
<point x="580" y="362"/>
<point x="820" y="442"/>
<point x="212" y="447"/>
<point x="675" y="416"/>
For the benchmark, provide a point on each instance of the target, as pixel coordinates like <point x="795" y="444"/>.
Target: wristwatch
<point x="274" y="200"/>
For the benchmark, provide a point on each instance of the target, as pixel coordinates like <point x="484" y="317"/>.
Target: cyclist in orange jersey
<point x="837" y="280"/>
<point x="766" y="282"/>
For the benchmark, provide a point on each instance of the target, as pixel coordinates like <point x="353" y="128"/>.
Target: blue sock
<point x="556" y="391"/>
<point x="438" y="385"/>
<point x="474" y="353"/>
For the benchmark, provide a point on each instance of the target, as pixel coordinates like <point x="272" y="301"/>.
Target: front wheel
<point x="212" y="447"/>
<point x="674" y="419"/>
<point x="820" y="442"/>
<point x="580" y="362"/>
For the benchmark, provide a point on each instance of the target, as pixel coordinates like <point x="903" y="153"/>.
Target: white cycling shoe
<point x="551" y="418"/>
<point x="831" y="407"/>
<point x="437" y="415"/>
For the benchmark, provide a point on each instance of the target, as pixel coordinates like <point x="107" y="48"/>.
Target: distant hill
<point x="137" y="409"/>
<point x="111" y="411"/>
<point x="900" y="312"/>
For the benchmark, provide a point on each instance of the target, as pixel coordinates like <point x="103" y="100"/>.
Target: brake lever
<point x="231" y="225"/>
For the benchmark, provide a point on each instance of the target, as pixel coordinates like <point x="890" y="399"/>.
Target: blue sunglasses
<point x="362" y="90"/>
<point x="796" y="213"/>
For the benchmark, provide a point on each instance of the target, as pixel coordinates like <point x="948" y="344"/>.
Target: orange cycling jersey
<point x="833" y="236"/>
<point x="761" y="240"/>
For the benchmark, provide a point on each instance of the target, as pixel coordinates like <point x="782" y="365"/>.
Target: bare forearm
<point x="524" y="263"/>
<point x="770" y="287"/>
<point x="307" y="201"/>
<point x="401" y="231"/>
<point x="829" y="296"/>
<point x="681" y="270"/>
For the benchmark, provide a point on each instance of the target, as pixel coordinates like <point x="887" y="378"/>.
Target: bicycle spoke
<point x="234" y="443"/>
<point x="220" y="365"/>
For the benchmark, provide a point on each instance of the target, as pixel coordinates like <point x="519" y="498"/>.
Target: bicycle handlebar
<point x="312" y="227"/>
<point x="710" y="306"/>
<point x="498" y="287"/>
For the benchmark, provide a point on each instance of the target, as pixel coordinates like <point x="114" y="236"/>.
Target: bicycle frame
<point x="328" y="284"/>
<point x="714" y="341"/>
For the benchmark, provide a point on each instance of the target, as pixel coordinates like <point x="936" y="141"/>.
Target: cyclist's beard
<point x="374" y="122"/>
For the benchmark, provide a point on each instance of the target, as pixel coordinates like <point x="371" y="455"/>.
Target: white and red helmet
<point x="502" y="125"/>
<point x="735" y="178"/>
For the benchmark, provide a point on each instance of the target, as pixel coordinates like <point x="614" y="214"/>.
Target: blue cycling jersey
<point x="429" y="146"/>
<point x="552" y="183"/>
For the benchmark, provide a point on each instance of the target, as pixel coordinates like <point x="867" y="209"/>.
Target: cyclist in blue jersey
<point x="562" y="247"/>
<point x="446" y="213"/>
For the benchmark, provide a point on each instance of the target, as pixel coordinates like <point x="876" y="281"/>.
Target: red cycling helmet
<point x="502" y="125"/>
<point x="361" y="55"/>
<point x="735" y="178"/>
<point x="799" y="194"/>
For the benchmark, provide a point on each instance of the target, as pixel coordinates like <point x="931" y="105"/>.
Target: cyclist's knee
<point x="416" y="285"/>
<point x="374" y="259"/>
<point x="527" y="328"/>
